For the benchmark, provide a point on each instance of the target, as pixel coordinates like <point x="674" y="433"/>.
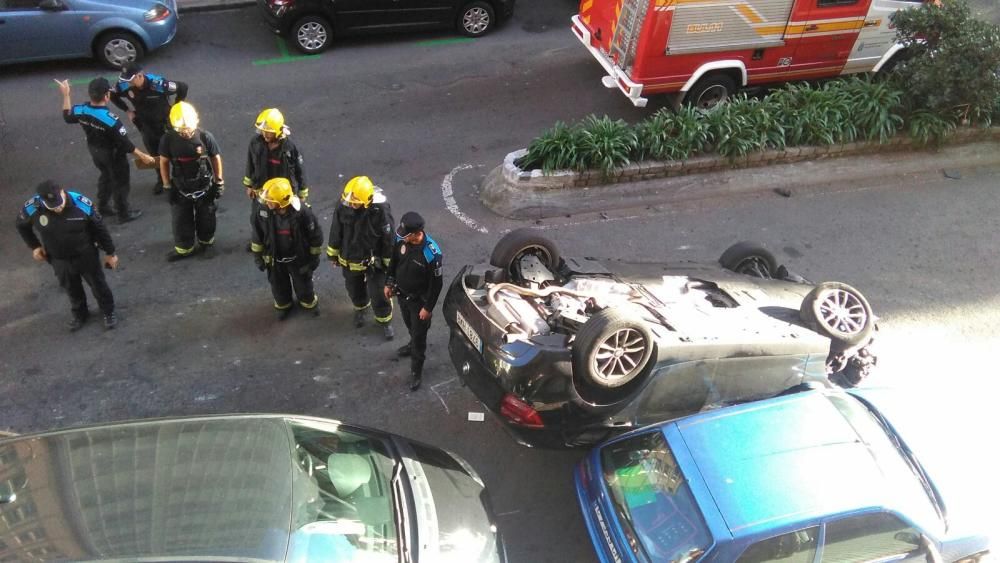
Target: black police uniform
<point x="192" y="191"/>
<point x="151" y="104"/>
<point x="71" y="240"/>
<point x="361" y="242"/>
<point x="414" y="275"/>
<point x="288" y="245"/>
<point x="109" y="146"/>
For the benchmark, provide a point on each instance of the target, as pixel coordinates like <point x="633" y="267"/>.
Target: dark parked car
<point x="568" y="351"/>
<point x="832" y="476"/>
<point x="113" y="31"/>
<point x="311" y="24"/>
<point x="248" y="488"/>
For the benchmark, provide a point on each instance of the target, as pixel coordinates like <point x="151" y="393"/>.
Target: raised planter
<point x="522" y="194"/>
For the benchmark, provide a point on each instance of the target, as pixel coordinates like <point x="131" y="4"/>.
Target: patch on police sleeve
<point x="43" y="220"/>
<point x="263" y="212"/>
<point x="122" y="131"/>
<point x="86" y="200"/>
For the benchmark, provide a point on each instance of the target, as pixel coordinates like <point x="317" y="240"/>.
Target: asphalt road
<point x="414" y="112"/>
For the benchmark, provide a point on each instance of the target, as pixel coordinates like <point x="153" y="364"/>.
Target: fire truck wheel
<point x="710" y="91"/>
<point x="475" y="19"/>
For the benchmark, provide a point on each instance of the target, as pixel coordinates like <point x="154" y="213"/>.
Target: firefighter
<point x="287" y="241"/>
<point x="272" y="155"/>
<point x="361" y="243"/>
<point x="71" y="232"/>
<point x="108" y="143"/>
<point x="149" y="95"/>
<point x="414" y="276"/>
<point x="191" y="170"/>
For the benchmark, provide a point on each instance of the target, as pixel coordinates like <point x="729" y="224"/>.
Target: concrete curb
<point x="533" y="194"/>
<point x="189" y="6"/>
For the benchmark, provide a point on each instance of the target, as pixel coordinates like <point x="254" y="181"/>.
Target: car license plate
<point x="470" y="333"/>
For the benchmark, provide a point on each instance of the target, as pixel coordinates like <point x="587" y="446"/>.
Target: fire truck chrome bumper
<point x="615" y="77"/>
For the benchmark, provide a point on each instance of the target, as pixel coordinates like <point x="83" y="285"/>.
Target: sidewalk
<point x="185" y="6"/>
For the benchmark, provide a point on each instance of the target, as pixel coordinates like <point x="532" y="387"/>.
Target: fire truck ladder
<point x="623" y="44"/>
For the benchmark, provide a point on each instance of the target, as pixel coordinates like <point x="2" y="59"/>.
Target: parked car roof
<point x="788" y="460"/>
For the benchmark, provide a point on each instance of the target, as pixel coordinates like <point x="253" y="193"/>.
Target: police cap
<point x="51" y="194"/>
<point x="411" y="223"/>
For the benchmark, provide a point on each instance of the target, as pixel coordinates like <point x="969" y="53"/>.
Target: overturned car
<point x="568" y="351"/>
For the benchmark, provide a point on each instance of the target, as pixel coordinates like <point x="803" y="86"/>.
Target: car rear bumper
<point x="278" y="25"/>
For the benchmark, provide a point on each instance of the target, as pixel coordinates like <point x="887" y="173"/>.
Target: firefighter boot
<point x="359" y="318"/>
<point x="388" y="332"/>
<point x="110" y="321"/>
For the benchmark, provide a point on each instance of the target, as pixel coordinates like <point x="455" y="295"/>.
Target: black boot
<point x="283" y="313"/>
<point x="77" y="322"/>
<point x="404" y="351"/>
<point x="158" y="188"/>
<point x="129" y="216"/>
<point x="416" y="378"/>
<point x="110" y="321"/>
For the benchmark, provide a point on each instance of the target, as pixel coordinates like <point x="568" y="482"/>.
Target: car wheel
<point x="839" y="312"/>
<point x="710" y="91"/>
<point x="612" y="348"/>
<point x="476" y="19"/>
<point x="119" y="47"/>
<point x="751" y="259"/>
<point x="520" y="243"/>
<point x="311" y="34"/>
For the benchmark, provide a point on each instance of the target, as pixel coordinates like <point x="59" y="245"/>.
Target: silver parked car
<point x="113" y="31"/>
<point x="247" y="488"/>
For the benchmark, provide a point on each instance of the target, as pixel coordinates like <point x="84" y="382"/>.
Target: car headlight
<point x="157" y="13"/>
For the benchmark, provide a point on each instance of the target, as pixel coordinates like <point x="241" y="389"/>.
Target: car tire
<point x="710" y="91"/>
<point x="311" y="34"/>
<point x="751" y="259"/>
<point x="476" y="19"/>
<point x="116" y="48"/>
<point x="612" y="348"/>
<point x="839" y="312"/>
<point x="520" y="242"/>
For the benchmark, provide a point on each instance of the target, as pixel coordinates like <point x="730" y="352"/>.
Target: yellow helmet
<point x="183" y="117"/>
<point x="359" y="191"/>
<point x="279" y="191"/>
<point x="271" y="121"/>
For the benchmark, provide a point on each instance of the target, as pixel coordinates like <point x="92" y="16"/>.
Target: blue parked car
<point x="815" y="476"/>
<point x="113" y="31"/>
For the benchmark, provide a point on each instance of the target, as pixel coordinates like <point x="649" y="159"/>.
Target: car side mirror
<point x="907" y="537"/>
<point x="52" y="5"/>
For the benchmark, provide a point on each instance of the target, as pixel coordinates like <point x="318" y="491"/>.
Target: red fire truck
<point x="702" y="51"/>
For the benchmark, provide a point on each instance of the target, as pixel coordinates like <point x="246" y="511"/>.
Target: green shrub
<point x="928" y="127"/>
<point x="815" y="115"/>
<point x="671" y="136"/>
<point x="875" y="106"/>
<point x="953" y="59"/>
<point x="605" y="144"/>
<point x="555" y="149"/>
<point x="743" y="125"/>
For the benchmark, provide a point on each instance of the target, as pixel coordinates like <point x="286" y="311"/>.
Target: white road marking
<point x="449" y="199"/>
<point x="444" y="404"/>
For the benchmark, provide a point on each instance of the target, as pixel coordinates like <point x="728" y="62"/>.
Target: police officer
<point x="287" y="241"/>
<point x="71" y="232"/>
<point x="191" y="170"/>
<point x="361" y="244"/>
<point x="272" y="155"/>
<point x="149" y="95"/>
<point x="108" y="143"/>
<point x="414" y="276"/>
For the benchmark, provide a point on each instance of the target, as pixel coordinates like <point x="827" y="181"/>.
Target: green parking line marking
<point x="285" y="56"/>
<point x="433" y="42"/>
<point x="112" y="78"/>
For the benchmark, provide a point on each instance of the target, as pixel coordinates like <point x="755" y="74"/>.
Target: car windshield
<point x="342" y="497"/>
<point x="652" y="499"/>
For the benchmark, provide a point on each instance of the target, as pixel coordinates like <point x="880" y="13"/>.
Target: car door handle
<point x="812" y="27"/>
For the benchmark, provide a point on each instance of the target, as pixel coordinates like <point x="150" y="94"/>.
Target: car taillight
<point x="157" y="13"/>
<point x="519" y="412"/>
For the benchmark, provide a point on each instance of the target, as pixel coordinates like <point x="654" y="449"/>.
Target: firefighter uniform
<point x="109" y="146"/>
<point x="361" y="243"/>
<point x="149" y="95"/>
<point x="272" y="155"/>
<point x="193" y="188"/>
<point x="71" y="232"/>
<point x="287" y="242"/>
<point x="414" y="276"/>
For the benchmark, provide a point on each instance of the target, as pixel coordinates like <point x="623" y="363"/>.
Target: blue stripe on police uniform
<point x="82" y="202"/>
<point x="431" y="249"/>
<point x="31" y="206"/>
<point x="100" y="114"/>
